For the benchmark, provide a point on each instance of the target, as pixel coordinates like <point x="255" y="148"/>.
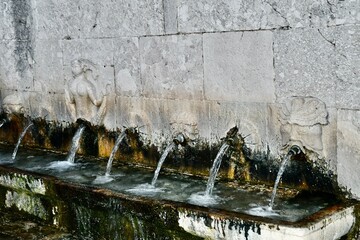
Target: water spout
<point x="19" y="140"/>
<point x="179" y="139"/>
<point x="116" y="147"/>
<point x="215" y="168"/>
<point x="75" y="144"/>
<point x="294" y="150"/>
<point x="3" y="121"/>
<point x="161" y="161"/>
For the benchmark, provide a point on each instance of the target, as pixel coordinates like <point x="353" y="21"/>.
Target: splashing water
<point x="278" y="177"/>
<point x="215" y="168"/>
<point x="116" y="147"/>
<point x="19" y="140"/>
<point x="75" y="144"/>
<point x="161" y="161"/>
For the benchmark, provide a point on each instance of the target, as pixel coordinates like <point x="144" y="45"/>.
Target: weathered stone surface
<point x="15" y="65"/>
<point x="209" y="16"/>
<point x="171" y="16"/>
<point x="239" y="66"/>
<point x="127" y="67"/>
<point x="48" y="106"/>
<point x="344" y="12"/>
<point x="99" y="51"/>
<point x="305" y="64"/>
<point x="348" y="134"/>
<point x="347" y="66"/>
<point x="7" y="30"/>
<point x="159" y="120"/>
<point x="171" y="66"/>
<point x="48" y="73"/>
<point x="93" y="19"/>
<point x="250" y="118"/>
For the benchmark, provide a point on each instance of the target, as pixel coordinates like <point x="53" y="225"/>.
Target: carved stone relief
<point x="13" y="104"/>
<point x="302" y="119"/>
<point x="85" y="98"/>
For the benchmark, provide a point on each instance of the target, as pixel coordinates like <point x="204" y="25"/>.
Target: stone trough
<point x="89" y="212"/>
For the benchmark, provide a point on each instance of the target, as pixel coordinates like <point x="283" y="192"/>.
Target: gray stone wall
<point x="199" y="67"/>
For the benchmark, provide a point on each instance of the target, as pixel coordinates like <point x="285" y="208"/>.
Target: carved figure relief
<point x="302" y="119"/>
<point x="13" y="104"/>
<point x="85" y="99"/>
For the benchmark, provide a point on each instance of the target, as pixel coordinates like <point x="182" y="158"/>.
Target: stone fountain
<point x="197" y="68"/>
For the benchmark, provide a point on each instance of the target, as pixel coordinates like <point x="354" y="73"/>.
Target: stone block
<point x="59" y="20"/>
<point x="49" y="106"/>
<point x="127" y="67"/>
<point x="48" y="76"/>
<point x="238" y="66"/>
<point x="348" y="152"/>
<point x="344" y="12"/>
<point x="159" y="120"/>
<point x="7" y="30"/>
<point x="99" y="19"/>
<point x="124" y="18"/>
<point x="99" y="51"/>
<point x="304" y="62"/>
<point x="171" y="66"/>
<point x="347" y="66"/>
<point x="171" y="16"/>
<point x="250" y="118"/>
<point x="210" y="16"/>
<point x="16" y="65"/>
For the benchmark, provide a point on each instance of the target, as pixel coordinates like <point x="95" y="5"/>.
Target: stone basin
<point x="95" y="212"/>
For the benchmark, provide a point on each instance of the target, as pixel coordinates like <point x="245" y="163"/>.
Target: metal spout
<point x="294" y="150"/>
<point x="179" y="139"/>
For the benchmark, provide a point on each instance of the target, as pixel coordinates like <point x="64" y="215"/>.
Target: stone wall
<point x="285" y="72"/>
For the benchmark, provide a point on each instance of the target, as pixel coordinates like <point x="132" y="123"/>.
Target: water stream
<point x="2" y="122"/>
<point x="116" y="147"/>
<point x="75" y="144"/>
<point x="161" y="161"/>
<point x="19" y="141"/>
<point x="107" y="178"/>
<point x="278" y="178"/>
<point x="215" y="169"/>
<point x="207" y="198"/>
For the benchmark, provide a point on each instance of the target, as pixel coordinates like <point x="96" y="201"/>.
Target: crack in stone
<point x="279" y="13"/>
<point x="331" y="42"/>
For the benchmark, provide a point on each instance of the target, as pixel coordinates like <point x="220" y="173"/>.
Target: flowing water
<point x="161" y="161"/>
<point x="207" y="198"/>
<point x="174" y="187"/>
<point x="2" y="122"/>
<point x="278" y="178"/>
<point x="19" y="141"/>
<point x="116" y="147"/>
<point x="75" y="144"/>
<point x="215" y="169"/>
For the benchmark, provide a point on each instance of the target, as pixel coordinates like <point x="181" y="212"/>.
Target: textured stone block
<point x="48" y="76"/>
<point x="213" y="15"/>
<point x="94" y="19"/>
<point x="347" y="66"/>
<point x="59" y="20"/>
<point x="127" y="67"/>
<point x="239" y="66"/>
<point x="48" y="106"/>
<point x="7" y="30"/>
<point x="305" y="64"/>
<point x="344" y="12"/>
<point x="171" y="16"/>
<point x="250" y="118"/>
<point x="16" y="65"/>
<point x="348" y="152"/>
<point x="171" y="66"/>
<point x="99" y="51"/>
